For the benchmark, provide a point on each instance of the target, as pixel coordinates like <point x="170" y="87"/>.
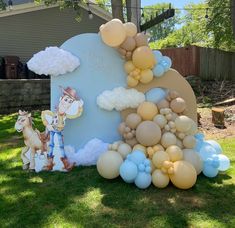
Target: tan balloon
<point x="160" y="120"/>
<point x="175" y="153"/>
<point x="193" y="130"/>
<point x="141" y="39"/>
<point x="121" y="128"/>
<point x="193" y="157"/>
<point x="128" y="44"/>
<point x="184" y="175"/>
<point x="130" y="28"/>
<point x="143" y="58"/>
<point x="178" y="105"/>
<point x="163" y="104"/>
<point x="108" y="164"/>
<point x="148" y="133"/>
<point x="146" y="76"/>
<point x="158" y="147"/>
<point x="183" y="123"/>
<point x="132" y="142"/>
<point x="113" y="33"/>
<point x="168" y="139"/>
<point x="159" y="157"/>
<point x="189" y="141"/>
<point x="140" y="147"/>
<point x="152" y="166"/>
<point x="133" y="120"/>
<point x="129" y="67"/>
<point x="124" y="149"/>
<point x="179" y="143"/>
<point x="131" y="82"/>
<point x="173" y="94"/>
<point x="159" y="179"/>
<point x="147" y="110"/>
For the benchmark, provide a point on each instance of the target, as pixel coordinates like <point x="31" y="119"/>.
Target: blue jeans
<point x="52" y="143"/>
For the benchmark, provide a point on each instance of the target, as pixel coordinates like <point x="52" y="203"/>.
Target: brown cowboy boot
<point x="49" y="165"/>
<point x="68" y="166"/>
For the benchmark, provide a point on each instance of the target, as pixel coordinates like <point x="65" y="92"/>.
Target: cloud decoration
<point x="88" y="155"/>
<point x="120" y="98"/>
<point x="53" y="61"/>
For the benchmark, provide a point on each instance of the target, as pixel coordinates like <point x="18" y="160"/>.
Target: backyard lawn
<point x="82" y="198"/>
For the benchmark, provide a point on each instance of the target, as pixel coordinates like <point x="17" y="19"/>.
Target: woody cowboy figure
<point x="70" y="106"/>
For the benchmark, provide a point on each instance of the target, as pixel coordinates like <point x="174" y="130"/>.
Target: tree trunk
<point x="136" y="12"/>
<point x="128" y="10"/>
<point x="117" y="9"/>
<point x="233" y="15"/>
<point x="218" y="117"/>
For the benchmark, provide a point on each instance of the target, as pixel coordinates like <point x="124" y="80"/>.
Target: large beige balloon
<point x="146" y="76"/>
<point x="159" y="179"/>
<point x="130" y="28"/>
<point x="128" y="44"/>
<point x="124" y="149"/>
<point x="183" y="123"/>
<point x="192" y="157"/>
<point x="159" y="157"/>
<point x="175" y="153"/>
<point x="143" y="58"/>
<point x="133" y="120"/>
<point x="147" y="110"/>
<point x="160" y="120"/>
<point x="148" y="133"/>
<point x="184" y="175"/>
<point x="168" y="139"/>
<point x="108" y="164"/>
<point x="141" y="39"/>
<point x="113" y="33"/>
<point x="189" y="141"/>
<point x="178" y="105"/>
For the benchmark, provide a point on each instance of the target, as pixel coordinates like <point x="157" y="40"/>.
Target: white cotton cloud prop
<point x="88" y="155"/>
<point x="120" y="98"/>
<point x="53" y="61"/>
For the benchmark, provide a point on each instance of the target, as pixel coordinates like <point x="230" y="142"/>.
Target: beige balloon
<point x="193" y="130"/>
<point x="131" y="82"/>
<point x="159" y="179"/>
<point x="146" y="76"/>
<point x="192" y="157"/>
<point x="184" y="175"/>
<point x="147" y="110"/>
<point x="159" y="157"/>
<point x="168" y="139"/>
<point x="124" y="149"/>
<point x="121" y="128"/>
<point x="173" y="94"/>
<point x="141" y="39"/>
<point x="175" y="153"/>
<point x="163" y="104"/>
<point x="129" y="44"/>
<point x="132" y="142"/>
<point x="189" y="141"/>
<point x="113" y="33"/>
<point x="141" y="148"/>
<point x="183" y="123"/>
<point x="160" y="120"/>
<point x="148" y="133"/>
<point x="133" y="120"/>
<point x="129" y="67"/>
<point x="131" y="29"/>
<point x="143" y="58"/>
<point x="178" y="105"/>
<point x="108" y="164"/>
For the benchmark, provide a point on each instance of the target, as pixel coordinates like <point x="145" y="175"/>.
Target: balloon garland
<point x="160" y="143"/>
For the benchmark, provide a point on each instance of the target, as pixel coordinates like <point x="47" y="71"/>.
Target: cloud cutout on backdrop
<point x="53" y="61"/>
<point x="120" y="98"/>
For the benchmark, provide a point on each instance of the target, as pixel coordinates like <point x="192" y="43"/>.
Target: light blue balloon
<point x="143" y="180"/>
<point x="137" y="157"/>
<point x="210" y="171"/>
<point x="167" y="60"/>
<point x="147" y="162"/>
<point x="215" y="161"/>
<point x="158" y="55"/>
<point x="141" y="167"/>
<point x="199" y="136"/>
<point x="155" y="95"/>
<point x="128" y="171"/>
<point x="158" y="70"/>
<point x="215" y="145"/>
<point x="198" y="146"/>
<point x="224" y="162"/>
<point x="148" y="169"/>
<point x="206" y="151"/>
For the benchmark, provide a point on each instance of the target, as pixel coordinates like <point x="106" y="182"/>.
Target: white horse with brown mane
<point x="33" y="139"/>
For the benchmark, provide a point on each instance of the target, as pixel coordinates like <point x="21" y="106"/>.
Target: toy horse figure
<point x="33" y="139"/>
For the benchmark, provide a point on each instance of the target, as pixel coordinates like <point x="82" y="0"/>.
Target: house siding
<point x="25" y="34"/>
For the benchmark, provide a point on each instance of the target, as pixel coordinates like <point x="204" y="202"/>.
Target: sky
<point x="175" y="3"/>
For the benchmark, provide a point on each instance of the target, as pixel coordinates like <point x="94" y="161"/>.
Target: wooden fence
<point x="209" y="64"/>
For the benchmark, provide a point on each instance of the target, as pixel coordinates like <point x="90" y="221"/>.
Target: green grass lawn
<point x="82" y="198"/>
